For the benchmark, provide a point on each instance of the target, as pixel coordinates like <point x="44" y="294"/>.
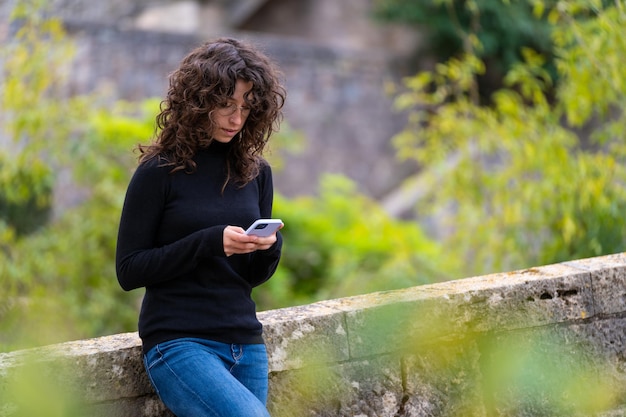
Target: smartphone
<point x="264" y="227"/>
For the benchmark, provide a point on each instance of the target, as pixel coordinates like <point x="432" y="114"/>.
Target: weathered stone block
<point x="145" y="406"/>
<point x="608" y="277"/>
<point x="385" y="322"/>
<point x="89" y="371"/>
<point x="105" y="368"/>
<point x="546" y="341"/>
<point x="301" y="335"/>
<point x="364" y="388"/>
<point x="443" y="380"/>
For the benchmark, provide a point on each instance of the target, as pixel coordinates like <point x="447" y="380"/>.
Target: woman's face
<point x="229" y="117"/>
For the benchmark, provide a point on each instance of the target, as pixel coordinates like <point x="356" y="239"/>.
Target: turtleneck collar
<point x="217" y="147"/>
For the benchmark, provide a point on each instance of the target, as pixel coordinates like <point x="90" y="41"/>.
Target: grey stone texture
<point x="545" y="341"/>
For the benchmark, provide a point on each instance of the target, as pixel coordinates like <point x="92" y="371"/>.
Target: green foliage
<point x="591" y="58"/>
<point x="34" y="70"/>
<point x="25" y="194"/>
<point x="342" y="243"/>
<point x="61" y="280"/>
<point x="517" y="187"/>
<point x="494" y="30"/>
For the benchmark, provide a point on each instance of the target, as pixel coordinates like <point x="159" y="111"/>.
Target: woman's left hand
<point x="236" y="241"/>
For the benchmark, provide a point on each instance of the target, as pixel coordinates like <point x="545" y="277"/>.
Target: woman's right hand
<point x="236" y="241"/>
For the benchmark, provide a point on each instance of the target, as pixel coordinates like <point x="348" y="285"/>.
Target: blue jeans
<point x="203" y="378"/>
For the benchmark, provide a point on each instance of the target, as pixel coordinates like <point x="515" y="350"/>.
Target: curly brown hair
<point x="206" y="79"/>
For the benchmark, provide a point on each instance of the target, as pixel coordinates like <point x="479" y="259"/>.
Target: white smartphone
<point x="264" y="227"/>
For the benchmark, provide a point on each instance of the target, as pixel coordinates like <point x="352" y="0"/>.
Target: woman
<point x="182" y="237"/>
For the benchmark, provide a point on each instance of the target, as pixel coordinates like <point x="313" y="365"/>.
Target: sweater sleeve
<point x="263" y="264"/>
<point x="139" y="261"/>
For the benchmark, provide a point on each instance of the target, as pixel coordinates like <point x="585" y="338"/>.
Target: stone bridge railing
<point x="545" y="341"/>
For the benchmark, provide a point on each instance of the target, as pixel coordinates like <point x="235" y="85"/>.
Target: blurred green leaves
<point x="342" y="243"/>
<point x="495" y="31"/>
<point x="26" y="193"/>
<point x="538" y="176"/>
<point x="57" y="278"/>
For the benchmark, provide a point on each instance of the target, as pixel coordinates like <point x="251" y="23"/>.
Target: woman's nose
<point x="237" y="116"/>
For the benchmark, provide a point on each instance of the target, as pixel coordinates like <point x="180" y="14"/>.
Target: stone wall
<point x="431" y="350"/>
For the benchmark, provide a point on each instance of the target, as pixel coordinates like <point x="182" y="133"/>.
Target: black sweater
<point x="171" y="242"/>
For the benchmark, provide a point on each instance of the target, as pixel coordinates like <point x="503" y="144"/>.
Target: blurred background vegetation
<point x="525" y="171"/>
